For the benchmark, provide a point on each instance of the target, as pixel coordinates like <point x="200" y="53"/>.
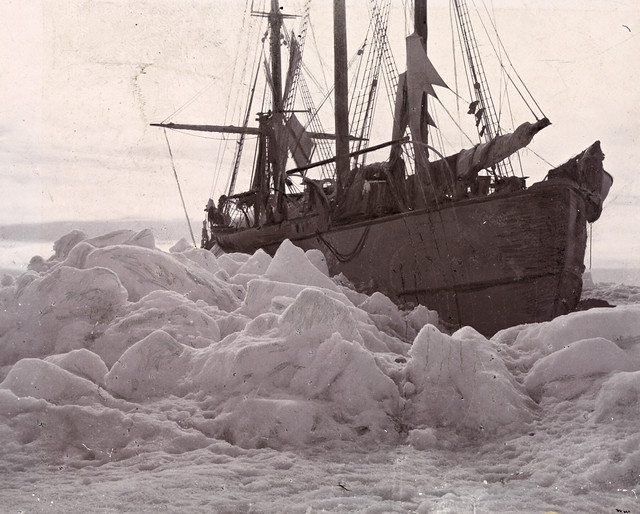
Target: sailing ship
<point x="461" y="234"/>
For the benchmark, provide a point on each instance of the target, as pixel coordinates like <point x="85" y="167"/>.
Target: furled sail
<point x="470" y="162"/>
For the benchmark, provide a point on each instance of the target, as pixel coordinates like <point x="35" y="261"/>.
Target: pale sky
<point x="81" y="81"/>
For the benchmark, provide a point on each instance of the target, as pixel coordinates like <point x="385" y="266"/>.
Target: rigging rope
<point x="502" y="66"/>
<point x="540" y="157"/>
<point x="188" y="103"/>
<point x="234" y="110"/>
<point x="346" y="257"/>
<point x="590" y="242"/>
<point x="299" y="44"/>
<point x="462" y="132"/>
<point x="204" y="90"/>
<point x="322" y="63"/>
<point x="243" y="49"/>
<point x="175" y="174"/>
<point x="443" y="225"/>
<point x="455" y="71"/>
<point x="365" y="84"/>
<point x="223" y="137"/>
<point x="231" y="182"/>
<point x="436" y="136"/>
<point x="459" y="31"/>
<point x="495" y="29"/>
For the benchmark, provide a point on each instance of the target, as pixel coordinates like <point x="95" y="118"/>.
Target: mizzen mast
<point x="341" y="94"/>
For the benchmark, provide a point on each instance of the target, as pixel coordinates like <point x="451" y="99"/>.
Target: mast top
<point x="420" y="18"/>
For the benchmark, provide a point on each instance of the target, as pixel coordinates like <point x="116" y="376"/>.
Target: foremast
<point x="271" y="159"/>
<point x="417" y="78"/>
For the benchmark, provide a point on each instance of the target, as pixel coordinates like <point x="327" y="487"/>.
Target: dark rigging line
<point x="528" y="148"/>
<point x="175" y="174"/>
<point x="462" y="132"/>
<point x="211" y="138"/>
<point x="204" y="90"/>
<point x="455" y="69"/>
<point x="222" y="148"/>
<point x="231" y="181"/>
<point x="504" y="70"/>
<point x="495" y="29"/>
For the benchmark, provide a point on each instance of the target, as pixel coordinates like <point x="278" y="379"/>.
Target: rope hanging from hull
<point x="345" y="257"/>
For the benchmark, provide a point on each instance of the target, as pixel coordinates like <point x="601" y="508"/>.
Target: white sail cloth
<point x="470" y="162"/>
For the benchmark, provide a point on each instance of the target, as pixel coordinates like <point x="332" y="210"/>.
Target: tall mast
<point x="420" y="115"/>
<point x="420" y="19"/>
<point x="277" y="147"/>
<point x="341" y="93"/>
<point x="275" y="22"/>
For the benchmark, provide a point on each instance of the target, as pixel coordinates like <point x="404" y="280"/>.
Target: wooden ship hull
<point x="490" y="262"/>
<point x="460" y="234"/>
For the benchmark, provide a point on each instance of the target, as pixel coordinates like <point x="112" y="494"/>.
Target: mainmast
<point x="341" y="93"/>
<point x="420" y="19"/>
<point x="416" y="78"/>
<point x="275" y="24"/>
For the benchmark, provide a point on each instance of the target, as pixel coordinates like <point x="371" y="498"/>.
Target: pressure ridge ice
<point x="113" y="347"/>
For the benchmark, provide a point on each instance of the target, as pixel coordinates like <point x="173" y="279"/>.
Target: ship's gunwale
<point x="225" y="232"/>
<point x="552" y="286"/>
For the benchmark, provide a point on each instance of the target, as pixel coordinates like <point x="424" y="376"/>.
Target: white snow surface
<point x="136" y="380"/>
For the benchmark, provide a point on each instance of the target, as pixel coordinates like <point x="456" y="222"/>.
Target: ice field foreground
<point x="136" y="380"/>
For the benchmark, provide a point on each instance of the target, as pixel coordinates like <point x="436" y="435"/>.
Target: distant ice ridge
<point x="113" y="348"/>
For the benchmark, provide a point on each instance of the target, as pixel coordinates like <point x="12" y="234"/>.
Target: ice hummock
<point x="113" y="350"/>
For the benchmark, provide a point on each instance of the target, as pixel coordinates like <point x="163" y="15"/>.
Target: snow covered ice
<point x="137" y="380"/>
